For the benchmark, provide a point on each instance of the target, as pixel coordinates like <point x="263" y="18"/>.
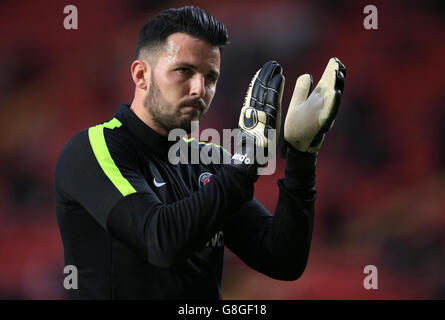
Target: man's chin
<point x="186" y="124"/>
<point x="182" y="121"/>
<point x="191" y="116"/>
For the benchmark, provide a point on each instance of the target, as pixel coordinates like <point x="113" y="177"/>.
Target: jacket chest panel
<point x="172" y="182"/>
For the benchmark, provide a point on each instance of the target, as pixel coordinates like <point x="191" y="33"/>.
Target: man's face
<point x="183" y="82"/>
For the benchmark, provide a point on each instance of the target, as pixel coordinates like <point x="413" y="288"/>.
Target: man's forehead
<point x="182" y="38"/>
<point x="181" y="46"/>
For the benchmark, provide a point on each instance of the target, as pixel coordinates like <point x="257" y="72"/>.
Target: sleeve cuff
<point x="300" y="170"/>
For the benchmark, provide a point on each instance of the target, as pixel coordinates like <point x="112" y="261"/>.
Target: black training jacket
<point x="138" y="227"/>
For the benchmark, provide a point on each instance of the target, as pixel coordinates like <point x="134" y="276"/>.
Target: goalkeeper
<point x="139" y="227"/>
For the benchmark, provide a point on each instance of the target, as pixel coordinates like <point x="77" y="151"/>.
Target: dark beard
<point x="166" y="121"/>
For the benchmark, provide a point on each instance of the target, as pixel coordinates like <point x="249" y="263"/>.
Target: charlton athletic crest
<point x="204" y="178"/>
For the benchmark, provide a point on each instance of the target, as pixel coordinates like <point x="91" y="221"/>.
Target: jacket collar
<point x="141" y="131"/>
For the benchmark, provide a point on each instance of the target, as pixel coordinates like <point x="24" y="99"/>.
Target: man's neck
<point x="142" y="113"/>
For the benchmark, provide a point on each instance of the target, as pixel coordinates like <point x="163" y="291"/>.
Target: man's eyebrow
<point x="193" y="67"/>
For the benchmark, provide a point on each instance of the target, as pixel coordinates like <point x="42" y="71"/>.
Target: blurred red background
<point x="380" y="174"/>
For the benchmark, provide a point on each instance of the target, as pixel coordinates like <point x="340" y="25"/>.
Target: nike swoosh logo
<point x="158" y="184"/>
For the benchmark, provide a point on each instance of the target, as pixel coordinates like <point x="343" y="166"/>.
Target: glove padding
<point x="311" y="113"/>
<point x="260" y="113"/>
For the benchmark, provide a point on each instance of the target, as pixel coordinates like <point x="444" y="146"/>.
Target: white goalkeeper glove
<point x="311" y="113"/>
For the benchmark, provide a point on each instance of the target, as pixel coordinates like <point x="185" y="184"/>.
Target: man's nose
<point x="197" y="86"/>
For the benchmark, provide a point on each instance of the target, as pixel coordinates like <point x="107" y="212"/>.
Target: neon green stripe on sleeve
<point x="206" y="143"/>
<point x="103" y="156"/>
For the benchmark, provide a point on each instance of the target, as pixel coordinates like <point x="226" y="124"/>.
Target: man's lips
<point x="193" y="105"/>
<point x="191" y="108"/>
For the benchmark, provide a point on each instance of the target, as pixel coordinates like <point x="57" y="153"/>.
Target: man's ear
<point x="141" y="73"/>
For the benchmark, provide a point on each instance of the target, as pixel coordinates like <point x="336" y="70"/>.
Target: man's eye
<point x="183" y="70"/>
<point x="211" y="78"/>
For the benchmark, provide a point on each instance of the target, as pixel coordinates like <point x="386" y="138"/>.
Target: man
<point x="137" y="226"/>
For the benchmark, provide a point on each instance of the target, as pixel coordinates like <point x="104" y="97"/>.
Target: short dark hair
<point x="190" y="20"/>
